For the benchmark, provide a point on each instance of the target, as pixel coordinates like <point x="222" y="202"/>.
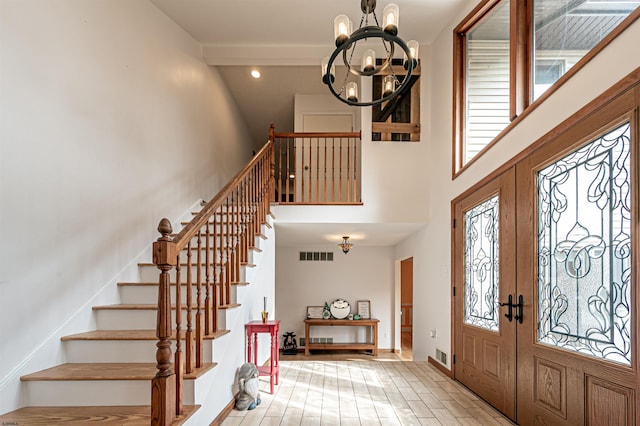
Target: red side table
<point x="252" y="329"/>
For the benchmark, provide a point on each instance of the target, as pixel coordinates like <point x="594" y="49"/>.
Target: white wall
<point x="365" y="273"/>
<point x="394" y="174"/>
<point x="431" y="248"/>
<point x="109" y="121"/>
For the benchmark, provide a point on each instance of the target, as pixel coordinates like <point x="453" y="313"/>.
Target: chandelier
<point x="367" y="34"/>
<point x="345" y="245"/>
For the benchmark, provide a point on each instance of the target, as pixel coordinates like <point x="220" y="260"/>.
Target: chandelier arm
<point x="375" y="18"/>
<point x="366" y="32"/>
<point x="371" y="32"/>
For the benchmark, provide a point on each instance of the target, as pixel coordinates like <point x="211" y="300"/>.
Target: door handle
<point x="520" y="306"/>
<point x="509" y="313"/>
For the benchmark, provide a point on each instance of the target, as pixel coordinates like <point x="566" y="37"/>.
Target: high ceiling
<point x="286" y="40"/>
<point x="294" y="23"/>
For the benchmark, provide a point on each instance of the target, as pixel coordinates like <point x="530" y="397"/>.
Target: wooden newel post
<point x="163" y="385"/>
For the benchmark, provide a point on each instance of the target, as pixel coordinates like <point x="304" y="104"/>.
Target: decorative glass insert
<point x="584" y="249"/>
<point x="481" y="265"/>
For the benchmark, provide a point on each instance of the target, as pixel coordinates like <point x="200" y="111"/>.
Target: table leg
<point x="306" y="339"/>
<point x="255" y="348"/>
<point x="248" y="346"/>
<point x="273" y="361"/>
<point x="375" y="339"/>
<point x="276" y="351"/>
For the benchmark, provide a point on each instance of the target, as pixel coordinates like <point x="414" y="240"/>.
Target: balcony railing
<point x="316" y="168"/>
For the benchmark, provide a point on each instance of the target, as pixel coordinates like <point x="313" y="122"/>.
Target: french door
<point x="484" y="279"/>
<point x="568" y="258"/>
<point x="578" y="273"/>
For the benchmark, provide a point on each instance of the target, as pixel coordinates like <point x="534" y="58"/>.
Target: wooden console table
<point x="369" y="346"/>
<point x="252" y="329"/>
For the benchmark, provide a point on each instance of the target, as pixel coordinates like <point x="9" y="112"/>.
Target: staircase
<point x="109" y="370"/>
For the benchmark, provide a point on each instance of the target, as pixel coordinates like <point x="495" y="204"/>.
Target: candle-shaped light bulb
<point x="413" y="52"/>
<point x="352" y="91"/>
<point x="390" y="18"/>
<point x="328" y="77"/>
<point x="369" y="61"/>
<point x="341" y="29"/>
<point x="388" y="85"/>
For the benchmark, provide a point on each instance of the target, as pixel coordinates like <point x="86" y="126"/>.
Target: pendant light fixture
<point x="345" y="245"/>
<point x="364" y="41"/>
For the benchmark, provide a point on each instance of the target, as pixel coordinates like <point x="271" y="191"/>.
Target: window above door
<point x="510" y="55"/>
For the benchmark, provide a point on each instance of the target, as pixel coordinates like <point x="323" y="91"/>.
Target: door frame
<point x="631" y="82"/>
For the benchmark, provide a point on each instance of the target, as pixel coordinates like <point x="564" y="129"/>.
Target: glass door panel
<point x="584" y="249"/>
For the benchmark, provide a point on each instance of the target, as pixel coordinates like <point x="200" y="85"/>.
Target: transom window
<point x="496" y="79"/>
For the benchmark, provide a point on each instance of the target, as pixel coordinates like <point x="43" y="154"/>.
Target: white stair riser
<point x="95" y="392"/>
<point x="150" y="273"/>
<point x="149" y="294"/>
<point x="136" y="319"/>
<point x="121" y="350"/>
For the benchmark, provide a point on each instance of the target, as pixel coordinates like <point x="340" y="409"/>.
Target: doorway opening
<point x="406" y="309"/>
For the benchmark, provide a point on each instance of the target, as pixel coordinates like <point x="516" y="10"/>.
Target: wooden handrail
<point x="189" y="231"/>
<point x="357" y="135"/>
<point x="220" y="236"/>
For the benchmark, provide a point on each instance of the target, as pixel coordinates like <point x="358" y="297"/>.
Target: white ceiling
<point x="319" y="235"/>
<point x="244" y="23"/>
<point x="286" y="40"/>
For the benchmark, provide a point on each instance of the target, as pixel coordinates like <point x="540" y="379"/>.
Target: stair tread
<point x="105" y="371"/>
<point x="136" y="307"/>
<point x="129" y="335"/>
<point x="230" y="306"/>
<point x="128" y="415"/>
<point x="150" y="284"/>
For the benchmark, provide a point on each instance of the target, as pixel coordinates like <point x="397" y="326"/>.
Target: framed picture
<point x="314" y="312"/>
<point x="364" y="309"/>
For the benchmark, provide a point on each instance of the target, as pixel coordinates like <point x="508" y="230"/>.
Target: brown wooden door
<point x="577" y="226"/>
<point x="406" y="295"/>
<point x="484" y="276"/>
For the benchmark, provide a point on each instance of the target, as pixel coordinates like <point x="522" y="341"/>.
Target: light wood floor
<point x="406" y="346"/>
<point x="361" y="390"/>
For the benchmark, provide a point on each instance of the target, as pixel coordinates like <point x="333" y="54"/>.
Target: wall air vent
<point x="441" y="356"/>
<point x="323" y="256"/>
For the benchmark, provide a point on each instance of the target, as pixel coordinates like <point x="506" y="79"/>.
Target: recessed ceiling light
<point x="255" y="73"/>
